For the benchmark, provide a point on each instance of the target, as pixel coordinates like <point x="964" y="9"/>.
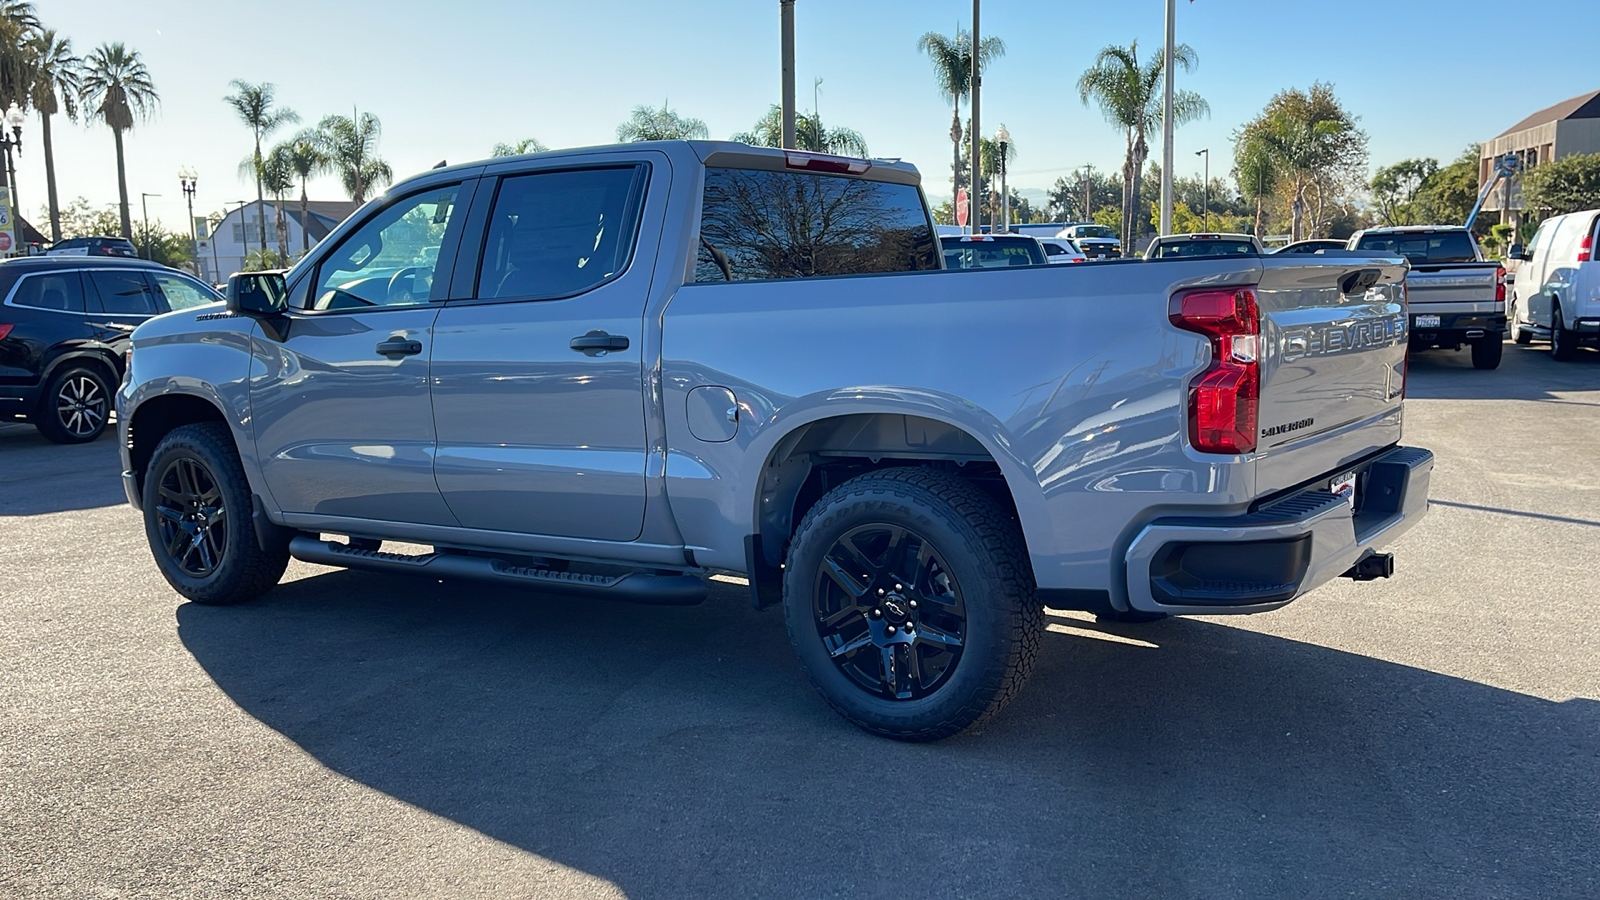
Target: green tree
<point x="263" y="259"/>
<point x="1450" y="193"/>
<point x="304" y="155"/>
<point x="1067" y="195"/>
<point x="80" y="219"/>
<point x="810" y="134"/>
<point x="351" y="147"/>
<point x="952" y="72"/>
<point x="1314" y="146"/>
<point x="118" y="91"/>
<point x="55" y="90"/>
<point x="648" y="124"/>
<point x="1395" y="188"/>
<point x="254" y="104"/>
<point x="1255" y="169"/>
<point x="526" y="145"/>
<point x="277" y="176"/>
<point x="1129" y="94"/>
<point x="1566" y="185"/>
<point x="18" y="25"/>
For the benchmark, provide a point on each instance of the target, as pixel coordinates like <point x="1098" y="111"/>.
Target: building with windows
<point x="222" y="253"/>
<point x="1570" y="127"/>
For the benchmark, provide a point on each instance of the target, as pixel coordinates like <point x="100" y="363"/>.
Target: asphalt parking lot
<point x="1435" y="735"/>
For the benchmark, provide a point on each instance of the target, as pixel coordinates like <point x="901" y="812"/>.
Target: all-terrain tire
<point x="1486" y="353"/>
<point x="194" y="484"/>
<point x="75" y="405"/>
<point x="971" y="555"/>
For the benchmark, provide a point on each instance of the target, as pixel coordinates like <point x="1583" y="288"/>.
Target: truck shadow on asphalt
<point x="38" y="477"/>
<point x="1526" y="373"/>
<point x="681" y="753"/>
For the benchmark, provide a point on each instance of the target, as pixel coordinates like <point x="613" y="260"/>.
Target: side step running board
<point x="633" y="587"/>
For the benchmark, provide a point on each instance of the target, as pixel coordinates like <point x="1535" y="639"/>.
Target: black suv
<point x="64" y="327"/>
<point x="94" y="246"/>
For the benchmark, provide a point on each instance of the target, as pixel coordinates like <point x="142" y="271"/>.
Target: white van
<point x="1557" y="290"/>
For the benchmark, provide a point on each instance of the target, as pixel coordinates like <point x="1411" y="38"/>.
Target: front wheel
<point x="1487" y="352"/>
<point x="1562" y="347"/>
<point x="910" y="600"/>
<point x="197" y="518"/>
<point x="1519" y="335"/>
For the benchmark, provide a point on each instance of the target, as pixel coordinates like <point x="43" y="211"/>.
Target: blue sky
<point x="449" y="80"/>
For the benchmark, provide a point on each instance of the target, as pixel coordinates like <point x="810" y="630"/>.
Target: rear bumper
<point x="1266" y="559"/>
<point x="18" y="401"/>
<point x="1455" y="328"/>
<point x="1587" y="327"/>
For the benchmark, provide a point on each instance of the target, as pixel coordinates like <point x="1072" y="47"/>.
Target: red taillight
<point x="1223" y="400"/>
<point x="5" y="330"/>
<point x="1500" y="284"/>
<point x="1586" y="249"/>
<point x="821" y="162"/>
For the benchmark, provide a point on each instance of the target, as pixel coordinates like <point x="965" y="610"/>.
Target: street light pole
<point x="976" y="129"/>
<point x="145" y="208"/>
<point x="1166" y="123"/>
<point x="1206" y="216"/>
<point x="786" y="16"/>
<point x="11" y="140"/>
<point x="1003" y="138"/>
<point x="187" y="179"/>
<point x="1088" y="214"/>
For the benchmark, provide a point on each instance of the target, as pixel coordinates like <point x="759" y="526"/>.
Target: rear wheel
<point x="1487" y="352"/>
<point x="910" y="600"/>
<point x="75" y="407"/>
<point x="197" y="518"/>
<point x="1562" y="345"/>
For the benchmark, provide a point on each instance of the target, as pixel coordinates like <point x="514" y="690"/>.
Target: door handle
<point x="597" y="342"/>
<point x="114" y="326"/>
<point x="399" y="347"/>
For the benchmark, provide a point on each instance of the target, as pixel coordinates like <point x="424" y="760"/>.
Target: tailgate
<point x="1333" y="364"/>
<point x="1453" y="288"/>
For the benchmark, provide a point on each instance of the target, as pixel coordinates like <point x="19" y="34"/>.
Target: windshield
<point x="992" y="253"/>
<point x="1194" y="249"/>
<point x="1093" y="231"/>
<point x="1422" y="246"/>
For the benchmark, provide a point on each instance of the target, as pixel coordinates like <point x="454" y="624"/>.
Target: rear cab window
<point x="1422" y="246"/>
<point x="991" y="253"/>
<point x="757" y="224"/>
<point x="1203" y="247"/>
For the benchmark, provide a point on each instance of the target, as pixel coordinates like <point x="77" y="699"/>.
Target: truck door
<point x="538" y="373"/>
<point x="339" y="395"/>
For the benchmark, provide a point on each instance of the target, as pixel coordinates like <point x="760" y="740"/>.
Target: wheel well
<point x="159" y="416"/>
<point x="819" y="456"/>
<point x="90" y="359"/>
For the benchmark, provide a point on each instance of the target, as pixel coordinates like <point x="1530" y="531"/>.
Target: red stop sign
<point x="5" y="242"/>
<point x="961" y="207"/>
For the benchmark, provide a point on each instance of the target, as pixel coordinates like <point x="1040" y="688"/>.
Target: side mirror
<point x="257" y="294"/>
<point x="1519" y="252"/>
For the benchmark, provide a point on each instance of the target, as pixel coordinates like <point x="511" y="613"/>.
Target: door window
<point x="183" y="293"/>
<point x="61" y="291"/>
<point x="125" y="292"/>
<point x="556" y="234"/>
<point x="389" y="260"/>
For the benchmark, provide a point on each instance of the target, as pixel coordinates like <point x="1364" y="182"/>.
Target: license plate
<point x="1344" y="486"/>
<point x="1427" y="321"/>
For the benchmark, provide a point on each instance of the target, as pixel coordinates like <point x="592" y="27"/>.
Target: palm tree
<point x="350" y="145"/>
<point x="305" y="158"/>
<point x="526" y="145"/>
<point x="952" y="70"/>
<point x="55" y="89"/>
<point x="809" y="133"/>
<point x="253" y="103"/>
<point x="647" y="124"/>
<point x="18" y="23"/>
<point x="1129" y="96"/>
<point x="118" y="91"/>
<point x="1257" y="172"/>
<point x="277" y="176"/>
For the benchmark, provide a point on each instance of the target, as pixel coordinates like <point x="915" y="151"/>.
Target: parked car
<point x="631" y="370"/>
<point x="94" y="246"/>
<point x="1556" y="296"/>
<point x="987" y="251"/>
<point x="1061" y="250"/>
<point x="1311" y="246"/>
<point x="1456" y="295"/>
<point x="64" y="328"/>
<point x="1195" y="246"/>
<point x="1096" y="241"/>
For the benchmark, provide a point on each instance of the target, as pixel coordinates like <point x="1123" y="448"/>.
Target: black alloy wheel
<point x="76" y="406"/>
<point x="192" y="517"/>
<point x="889" y="612"/>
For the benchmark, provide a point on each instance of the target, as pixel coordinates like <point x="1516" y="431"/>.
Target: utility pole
<point x="1088" y="214"/>
<point x="975" y="130"/>
<point x="816" y="115"/>
<point x="786" y="16"/>
<point x="1206" y="216"/>
<point x="145" y="208"/>
<point x="1166" y="123"/>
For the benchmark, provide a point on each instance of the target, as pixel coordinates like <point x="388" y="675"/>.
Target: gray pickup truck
<point x="614" y="372"/>
<point x="1456" y="296"/>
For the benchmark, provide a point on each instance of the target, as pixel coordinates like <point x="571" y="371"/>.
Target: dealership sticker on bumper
<point x="1344" y="486"/>
<point x="1427" y="321"/>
